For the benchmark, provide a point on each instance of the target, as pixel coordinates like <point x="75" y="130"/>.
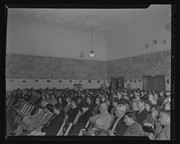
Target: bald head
<point x="103" y="107"/>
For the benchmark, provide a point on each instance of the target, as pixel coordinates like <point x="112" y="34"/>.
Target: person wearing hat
<point x="142" y="113"/>
<point x="133" y="127"/>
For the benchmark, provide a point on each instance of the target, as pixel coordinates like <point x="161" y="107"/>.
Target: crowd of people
<point x="107" y="112"/>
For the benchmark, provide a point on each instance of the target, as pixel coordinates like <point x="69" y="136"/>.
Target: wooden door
<point x="156" y="83"/>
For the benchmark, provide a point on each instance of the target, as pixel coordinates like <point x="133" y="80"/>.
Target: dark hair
<point x="142" y="100"/>
<point x="75" y="100"/>
<point x="50" y="107"/>
<point x="130" y="114"/>
<point x="168" y="112"/>
<point x="156" y="107"/>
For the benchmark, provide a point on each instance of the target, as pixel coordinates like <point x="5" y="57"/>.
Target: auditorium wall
<point x="134" y="68"/>
<point x="28" y="67"/>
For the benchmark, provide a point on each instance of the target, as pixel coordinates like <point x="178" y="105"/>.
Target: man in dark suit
<point x="133" y="127"/>
<point x="142" y="113"/>
<point x="86" y="113"/>
<point x="118" y="126"/>
<point x="72" y="113"/>
<point x="52" y="128"/>
<point x="68" y="105"/>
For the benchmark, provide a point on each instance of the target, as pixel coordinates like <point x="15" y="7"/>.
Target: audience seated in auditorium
<point x="140" y="101"/>
<point x="142" y="113"/>
<point x="133" y="127"/>
<point x="102" y="120"/>
<point x="118" y="126"/>
<point x="72" y="113"/>
<point x="151" y="120"/>
<point x="162" y="131"/>
<point x="36" y="121"/>
<point x="96" y="108"/>
<point x="86" y="112"/>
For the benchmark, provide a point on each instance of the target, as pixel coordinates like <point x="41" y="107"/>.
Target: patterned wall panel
<point x="26" y="66"/>
<point x="135" y="67"/>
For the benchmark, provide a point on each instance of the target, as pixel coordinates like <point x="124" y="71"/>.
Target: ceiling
<point x="106" y="19"/>
<point x="126" y="30"/>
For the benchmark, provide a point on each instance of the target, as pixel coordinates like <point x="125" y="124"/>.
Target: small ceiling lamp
<point x="91" y="54"/>
<point x="92" y="23"/>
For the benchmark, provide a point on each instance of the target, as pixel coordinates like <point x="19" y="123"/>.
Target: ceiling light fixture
<point x="92" y="52"/>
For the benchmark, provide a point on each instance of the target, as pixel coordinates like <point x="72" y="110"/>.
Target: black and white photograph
<point x="89" y="72"/>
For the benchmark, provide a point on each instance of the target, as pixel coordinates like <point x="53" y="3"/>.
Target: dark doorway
<point x="155" y="82"/>
<point x="117" y="82"/>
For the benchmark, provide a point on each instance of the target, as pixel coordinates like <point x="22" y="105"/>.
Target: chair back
<point x="68" y="129"/>
<point x="60" y="132"/>
<point x="30" y="110"/>
<point x="77" y="117"/>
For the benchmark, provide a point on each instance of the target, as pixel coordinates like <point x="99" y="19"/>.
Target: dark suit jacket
<point x="54" y="125"/>
<point x="85" y="117"/>
<point x="120" y="127"/>
<point x="134" y="130"/>
<point x="72" y="113"/>
<point x="141" y="116"/>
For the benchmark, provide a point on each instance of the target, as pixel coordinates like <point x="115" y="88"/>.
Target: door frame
<point x="163" y="75"/>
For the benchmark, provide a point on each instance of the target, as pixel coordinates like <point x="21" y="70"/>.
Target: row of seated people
<point x="84" y="110"/>
<point x="124" y="124"/>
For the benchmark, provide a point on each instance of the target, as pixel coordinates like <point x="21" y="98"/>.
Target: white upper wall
<point x="35" y="38"/>
<point x="130" y="37"/>
<point x="120" y="33"/>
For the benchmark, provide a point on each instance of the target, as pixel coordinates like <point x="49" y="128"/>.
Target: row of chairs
<point x="24" y="109"/>
<point x="64" y="129"/>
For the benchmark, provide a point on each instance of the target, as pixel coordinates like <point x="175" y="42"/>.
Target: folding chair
<point x="25" y="107"/>
<point x="68" y="129"/>
<point x="30" y="110"/>
<point x="27" y="112"/>
<point x="14" y="114"/>
<point x="77" y="117"/>
<point x="23" y="102"/>
<point x="60" y="132"/>
<point x="80" y="133"/>
<point x="10" y="105"/>
<point x="20" y="114"/>
<point x="87" y="127"/>
<point x="71" y="124"/>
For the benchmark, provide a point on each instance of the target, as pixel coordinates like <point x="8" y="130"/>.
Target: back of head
<point x="131" y="114"/>
<point x="50" y="107"/>
<point x="104" y="106"/>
